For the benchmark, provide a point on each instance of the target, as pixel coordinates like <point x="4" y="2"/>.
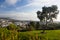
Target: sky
<point x="25" y="9"/>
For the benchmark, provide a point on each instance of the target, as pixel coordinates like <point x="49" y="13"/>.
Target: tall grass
<point x="6" y="34"/>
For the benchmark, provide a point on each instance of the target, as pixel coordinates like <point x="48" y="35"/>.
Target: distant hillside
<point x="7" y="18"/>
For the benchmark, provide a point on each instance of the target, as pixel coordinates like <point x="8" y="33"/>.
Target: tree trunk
<point x="44" y="25"/>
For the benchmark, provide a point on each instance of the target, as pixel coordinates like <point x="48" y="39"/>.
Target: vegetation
<point x="33" y="30"/>
<point x="48" y="13"/>
<point x="12" y="27"/>
<point x="6" y="34"/>
<point x="11" y="33"/>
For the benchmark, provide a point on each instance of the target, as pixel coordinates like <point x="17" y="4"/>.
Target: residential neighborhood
<point x="4" y="22"/>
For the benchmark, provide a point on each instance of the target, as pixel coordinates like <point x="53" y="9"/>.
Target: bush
<point x="12" y="27"/>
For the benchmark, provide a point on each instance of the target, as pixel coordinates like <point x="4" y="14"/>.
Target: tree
<point x="37" y="26"/>
<point x="47" y="14"/>
<point x="31" y="26"/>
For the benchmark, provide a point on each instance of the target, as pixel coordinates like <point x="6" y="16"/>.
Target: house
<point x="4" y="22"/>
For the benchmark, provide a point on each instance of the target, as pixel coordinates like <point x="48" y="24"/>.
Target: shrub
<point x="12" y="27"/>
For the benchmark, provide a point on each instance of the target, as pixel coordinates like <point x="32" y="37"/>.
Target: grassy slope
<point x="30" y="35"/>
<point x="49" y="35"/>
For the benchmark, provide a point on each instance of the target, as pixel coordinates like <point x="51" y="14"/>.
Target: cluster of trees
<point x="50" y="26"/>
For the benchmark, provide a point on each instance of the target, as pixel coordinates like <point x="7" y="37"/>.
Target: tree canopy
<point x="48" y="12"/>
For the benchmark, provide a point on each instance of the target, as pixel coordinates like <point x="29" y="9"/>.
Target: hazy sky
<point x="25" y="9"/>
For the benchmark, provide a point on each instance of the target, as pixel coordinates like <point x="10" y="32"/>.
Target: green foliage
<point x="37" y="25"/>
<point x="54" y="26"/>
<point x="32" y="23"/>
<point x="48" y="13"/>
<point x="6" y="34"/>
<point x="32" y="26"/>
<point x="12" y="34"/>
<point x="12" y="27"/>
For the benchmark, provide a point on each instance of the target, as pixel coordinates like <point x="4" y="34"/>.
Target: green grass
<point x="53" y="35"/>
<point x="49" y="35"/>
<point x="29" y="35"/>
